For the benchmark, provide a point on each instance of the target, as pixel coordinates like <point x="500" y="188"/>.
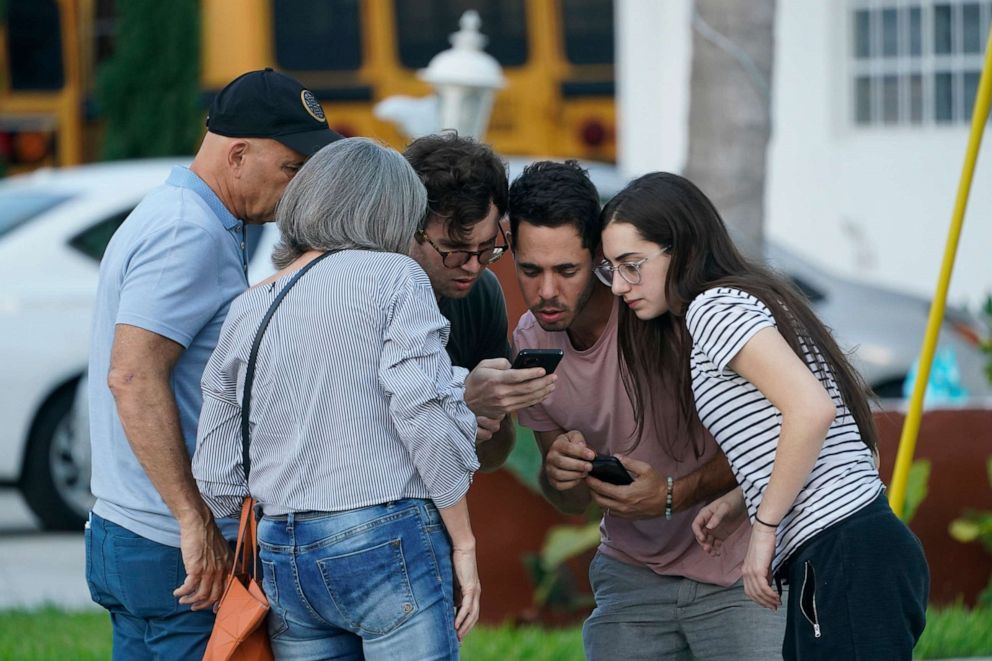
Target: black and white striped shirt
<point x="747" y="426"/>
<point x="355" y="401"/>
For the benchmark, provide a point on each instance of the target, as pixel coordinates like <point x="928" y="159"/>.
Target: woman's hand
<point x="719" y="520"/>
<point x="468" y="587"/>
<point x="466" y="584"/>
<point x="757" y="567"/>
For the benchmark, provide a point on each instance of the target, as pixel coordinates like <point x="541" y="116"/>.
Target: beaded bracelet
<point x="668" y="497"/>
<point x="765" y="524"/>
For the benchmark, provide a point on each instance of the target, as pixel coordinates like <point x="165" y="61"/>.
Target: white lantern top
<point x="465" y="63"/>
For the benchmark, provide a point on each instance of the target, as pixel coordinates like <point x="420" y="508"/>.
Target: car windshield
<point x="18" y="207"/>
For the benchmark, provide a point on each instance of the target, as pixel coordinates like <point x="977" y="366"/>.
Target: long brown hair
<point x="671" y="211"/>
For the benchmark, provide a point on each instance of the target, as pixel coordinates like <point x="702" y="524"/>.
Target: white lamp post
<point x="465" y="79"/>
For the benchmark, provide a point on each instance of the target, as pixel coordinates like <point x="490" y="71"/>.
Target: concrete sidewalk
<point x="43" y="569"/>
<point x="39" y="569"/>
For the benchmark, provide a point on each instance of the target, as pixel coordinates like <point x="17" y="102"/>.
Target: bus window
<point x="588" y="31"/>
<point x="34" y="45"/>
<point x="317" y="35"/>
<point x="423" y="29"/>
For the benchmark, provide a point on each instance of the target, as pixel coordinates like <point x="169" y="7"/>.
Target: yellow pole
<point x="911" y="428"/>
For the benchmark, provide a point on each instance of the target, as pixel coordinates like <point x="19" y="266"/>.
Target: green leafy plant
<point x="555" y="585"/>
<point x="524" y="461"/>
<point x="976" y="525"/>
<point x="148" y="92"/>
<point x="917" y="487"/>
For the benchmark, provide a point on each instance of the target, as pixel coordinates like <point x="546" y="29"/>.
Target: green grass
<point x="55" y="635"/>
<point x="530" y="643"/>
<point x="956" y="632"/>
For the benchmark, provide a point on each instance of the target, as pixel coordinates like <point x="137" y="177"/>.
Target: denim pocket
<point x="370" y="587"/>
<point x="276" y="621"/>
<point x="149" y="572"/>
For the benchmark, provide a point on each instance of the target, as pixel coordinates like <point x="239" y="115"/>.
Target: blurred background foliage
<point x="148" y="92"/>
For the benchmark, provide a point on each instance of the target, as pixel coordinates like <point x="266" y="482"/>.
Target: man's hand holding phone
<point x="492" y="389"/>
<point x="643" y="498"/>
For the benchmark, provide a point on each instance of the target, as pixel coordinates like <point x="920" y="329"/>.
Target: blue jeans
<point x="133" y="578"/>
<point x="370" y="583"/>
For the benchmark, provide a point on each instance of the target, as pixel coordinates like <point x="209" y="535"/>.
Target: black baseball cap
<point x="269" y="104"/>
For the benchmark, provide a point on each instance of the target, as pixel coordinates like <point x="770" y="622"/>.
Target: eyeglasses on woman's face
<point x="629" y="271"/>
<point x="455" y="258"/>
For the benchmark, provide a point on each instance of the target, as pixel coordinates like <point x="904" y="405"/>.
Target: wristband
<point x="766" y="524"/>
<point x="669" y="482"/>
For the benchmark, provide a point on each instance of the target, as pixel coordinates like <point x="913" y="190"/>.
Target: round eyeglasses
<point x="629" y="271"/>
<point x="454" y="258"/>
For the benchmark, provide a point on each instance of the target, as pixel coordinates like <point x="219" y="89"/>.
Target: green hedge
<point x="148" y="92"/>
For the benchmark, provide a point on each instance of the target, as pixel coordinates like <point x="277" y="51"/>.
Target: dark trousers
<point x="133" y="578"/>
<point x="857" y="591"/>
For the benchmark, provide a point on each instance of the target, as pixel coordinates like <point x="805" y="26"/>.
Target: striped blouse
<point x="747" y="426"/>
<point x="354" y="403"/>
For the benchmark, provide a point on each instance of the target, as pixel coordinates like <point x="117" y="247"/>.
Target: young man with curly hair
<point x="461" y="236"/>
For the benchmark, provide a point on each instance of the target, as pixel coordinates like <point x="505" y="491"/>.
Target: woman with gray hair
<point x="361" y="446"/>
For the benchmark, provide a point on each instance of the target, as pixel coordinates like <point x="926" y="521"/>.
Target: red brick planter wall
<point x="958" y="444"/>
<point x="511" y="521"/>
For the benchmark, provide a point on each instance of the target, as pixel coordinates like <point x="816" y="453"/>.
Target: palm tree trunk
<point x="730" y="110"/>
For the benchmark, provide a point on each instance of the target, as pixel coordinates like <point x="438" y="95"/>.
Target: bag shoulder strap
<point x="253" y="357"/>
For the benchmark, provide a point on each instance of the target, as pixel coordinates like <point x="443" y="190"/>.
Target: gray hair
<point x="353" y="193"/>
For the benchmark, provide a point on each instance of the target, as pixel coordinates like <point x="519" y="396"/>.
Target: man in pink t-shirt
<point x="659" y="595"/>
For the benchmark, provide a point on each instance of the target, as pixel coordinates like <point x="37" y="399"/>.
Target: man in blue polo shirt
<point x="156" y="559"/>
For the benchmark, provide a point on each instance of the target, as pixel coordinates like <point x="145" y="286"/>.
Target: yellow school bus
<point x="557" y="57"/>
<point x="42" y="84"/>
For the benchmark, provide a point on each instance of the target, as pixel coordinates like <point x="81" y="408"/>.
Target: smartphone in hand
<point x="609" y="469"/>
<point x="546" y="358"/>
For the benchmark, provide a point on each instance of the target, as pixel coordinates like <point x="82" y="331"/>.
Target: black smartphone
<point x="609" y="469"/>
<point x="546" y="358"/>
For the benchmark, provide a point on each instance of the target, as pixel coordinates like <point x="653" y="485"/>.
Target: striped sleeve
<point x="721" y="321"/>
<point x="217" y="460"/>
<point x="426" y="394"/>
<point x="216" y="463"/>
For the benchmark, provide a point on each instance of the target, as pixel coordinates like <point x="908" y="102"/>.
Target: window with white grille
<point x="916" y="62"/>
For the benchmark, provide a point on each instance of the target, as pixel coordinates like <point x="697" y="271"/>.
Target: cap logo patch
<point x="312" y="106"/>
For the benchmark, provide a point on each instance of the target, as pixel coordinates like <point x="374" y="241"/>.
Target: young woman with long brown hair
<point x="757" y="368"/>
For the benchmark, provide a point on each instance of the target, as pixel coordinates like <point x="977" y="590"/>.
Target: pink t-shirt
<point x="590" y="398"/>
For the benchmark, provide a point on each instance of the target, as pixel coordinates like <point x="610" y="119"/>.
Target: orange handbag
<point x="240" y="633"/>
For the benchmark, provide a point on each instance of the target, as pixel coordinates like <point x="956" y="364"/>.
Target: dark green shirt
<point x="478" y="323"/>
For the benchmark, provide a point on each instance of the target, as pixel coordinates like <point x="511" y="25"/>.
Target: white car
<point x="55" y="225"/>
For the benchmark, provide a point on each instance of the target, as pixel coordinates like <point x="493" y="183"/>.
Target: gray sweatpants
<point x="641" y="615"/>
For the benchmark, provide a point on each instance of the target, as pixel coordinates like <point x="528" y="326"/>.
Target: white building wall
<point x="654" y="50"/>
<point x="873" y="204"/>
